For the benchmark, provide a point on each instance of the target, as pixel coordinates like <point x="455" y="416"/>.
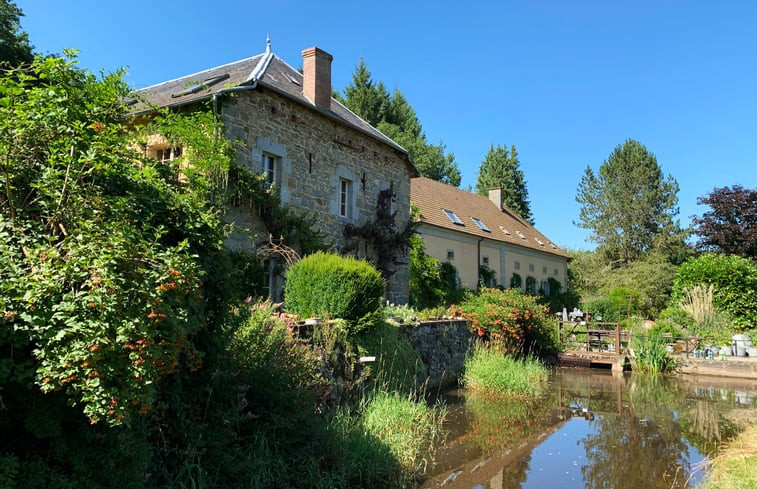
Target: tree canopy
<point x="392" y="115"/>
<point x="501" y="169"/>
<point x="628" y="205"/>
<point x="14" y="43"/>
<point x="731" y="224"/>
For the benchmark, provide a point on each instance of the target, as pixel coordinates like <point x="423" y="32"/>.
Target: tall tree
<point x="628" y="205"/>
<point x="14" y="43"/>
<point x="501" y="169"/>
<point x="392" y="115"/>
<point x="731" y="224"/>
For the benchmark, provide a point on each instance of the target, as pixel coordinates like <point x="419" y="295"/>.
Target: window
<point x="268" y="168"/>
<point x="450" y="255"/>
<point x="544" y="270"/>
<point x="544" y="287"/>
<point x="504" y="230"/>
<point x="480" y="224"/>
<point x="345" y="197"/>
<point x="168" y="153"/>
<point x="557" y="272"/>
<point x="485" y="260"/>
<point x="453" y="217"/>
<point x="520" y="235"/>
<point x="517" y="265"/>
<point x="531" y="267"/>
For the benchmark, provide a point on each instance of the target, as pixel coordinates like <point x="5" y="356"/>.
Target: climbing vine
<point x="388" y="243"/>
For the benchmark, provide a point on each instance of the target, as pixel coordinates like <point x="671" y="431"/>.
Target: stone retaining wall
<point x="442" y="347"/>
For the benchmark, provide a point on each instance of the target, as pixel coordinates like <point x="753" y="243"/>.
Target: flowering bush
<point x="522" y="325"/>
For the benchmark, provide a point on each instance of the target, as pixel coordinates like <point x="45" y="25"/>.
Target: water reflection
<point x="592" y="430"/>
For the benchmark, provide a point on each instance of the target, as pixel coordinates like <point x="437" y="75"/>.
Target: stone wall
<point x="442" y="347"/>
<point x="313" y="153"/>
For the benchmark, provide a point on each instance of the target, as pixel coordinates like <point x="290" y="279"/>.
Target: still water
<point x="592" y="429"/>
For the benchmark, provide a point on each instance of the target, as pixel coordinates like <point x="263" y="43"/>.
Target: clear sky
<point x="564" y="81"/>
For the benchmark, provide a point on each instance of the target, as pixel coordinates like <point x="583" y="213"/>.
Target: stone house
<point x="324" y="159"/>
<point x="471" y="231"/>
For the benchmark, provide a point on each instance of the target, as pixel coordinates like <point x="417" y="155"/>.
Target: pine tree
<point x="14" y="43"/>
<point x="501" y="169"/>
<point x="628" y="205"/>
<point x="393" y="116"/>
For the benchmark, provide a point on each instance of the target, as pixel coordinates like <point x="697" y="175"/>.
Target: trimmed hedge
<point x="328" y="285"/>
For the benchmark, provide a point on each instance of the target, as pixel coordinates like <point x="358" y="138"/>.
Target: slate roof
<point x="433" y="198"/>
<point x="266" y="70"/>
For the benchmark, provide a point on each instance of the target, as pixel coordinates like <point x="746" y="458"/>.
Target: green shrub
<point x="432" y="283"/>
<point x="489" y="371"/>
<point x="328" y="285"/>
<point x="522" y="324"/>
<point x="650" y="354"/>
<point x="734" y="280"/>
<point x="397" y="363"/>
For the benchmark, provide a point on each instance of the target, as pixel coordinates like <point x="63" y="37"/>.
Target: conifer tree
<point x="501" y="169"/>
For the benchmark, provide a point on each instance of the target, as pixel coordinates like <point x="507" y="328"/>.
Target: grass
<point x="736" y="466"/>
<point x="489" y="371"/>
<point x="650" y="354"/>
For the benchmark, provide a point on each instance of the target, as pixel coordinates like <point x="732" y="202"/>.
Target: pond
<point x="592" y="429"/>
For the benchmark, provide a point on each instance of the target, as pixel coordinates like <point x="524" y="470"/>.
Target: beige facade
<point x="470" y="231"/>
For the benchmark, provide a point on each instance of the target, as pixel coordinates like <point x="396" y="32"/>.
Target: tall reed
<point x="490" y="371"/>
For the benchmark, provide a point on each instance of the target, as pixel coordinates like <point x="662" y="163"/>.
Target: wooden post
<point x="617" y="339"/>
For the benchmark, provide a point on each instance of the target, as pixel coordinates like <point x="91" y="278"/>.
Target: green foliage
<point x="734" y="280"/>
<point x="393" y="116"/>
<point x="327" y="285"/>
<point x="501" y="169"/>
<point x="516" y="282"/>
<point x="628" y="205"/>
<point x="650" y="353"/>
<point x="489" y="371"/>
<point x="522" y="325"/>
<point x="15" y="49"/>
<point x="432" y="283"/>
<point x="397" y="367"/>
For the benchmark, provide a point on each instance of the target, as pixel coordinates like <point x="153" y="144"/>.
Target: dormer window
<point x="453" y="217"/>
<point x="480" y="224"/>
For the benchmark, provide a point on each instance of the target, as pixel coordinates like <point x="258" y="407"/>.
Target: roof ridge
<point x="199" y="72"/>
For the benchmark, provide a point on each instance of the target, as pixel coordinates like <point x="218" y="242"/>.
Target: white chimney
<point x="495" y="195"/>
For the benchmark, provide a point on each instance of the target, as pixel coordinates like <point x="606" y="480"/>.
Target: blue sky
<point x="564" y="81"/>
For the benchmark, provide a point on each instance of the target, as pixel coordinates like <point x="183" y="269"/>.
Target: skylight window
<point x="480" y="224"/>
<point x="541" y="243"/>
<point x="198" y="86"/>
<point x="520" y="234"/>
<point x="504" y="230"/>
<point x="453" y="217"/>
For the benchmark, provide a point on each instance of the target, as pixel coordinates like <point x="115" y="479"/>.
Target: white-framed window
<point x="517" y="265"/>
<point x="268" y="168"/>
<point x="485" y="260"/>
<point x="450" y="255"/>
<point x="557" y="272"/>
<point x="344" y="197"/>
<point x="165" y="154"/>
<point x="543" y="270"/>
<point x="531" y="267"/>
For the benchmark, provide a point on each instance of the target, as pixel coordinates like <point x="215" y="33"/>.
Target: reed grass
<point x="489" y="371"/>
<point x="736" y="466"/>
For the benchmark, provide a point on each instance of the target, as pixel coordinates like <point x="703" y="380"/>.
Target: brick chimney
<point x="316" y="77"/>
<point x="495" y="195"/>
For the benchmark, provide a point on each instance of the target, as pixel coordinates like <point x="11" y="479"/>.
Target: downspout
<point x="478" y="265"/>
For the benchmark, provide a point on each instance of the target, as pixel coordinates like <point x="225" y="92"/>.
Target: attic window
<point x="197" y="86"/>
<point x="505" y="230"/>
<point x="520" y="234"/>
<point x="480" y="224"/>
<point x="552" y="245"/>
<point x="167" y="153"/>
<point x="541" y="243"/>
<point x="453" y="217"/>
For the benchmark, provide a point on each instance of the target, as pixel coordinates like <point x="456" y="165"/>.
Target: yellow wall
<point x="502" y="258"/>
